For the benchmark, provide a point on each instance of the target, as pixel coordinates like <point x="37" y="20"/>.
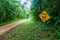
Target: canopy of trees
<point x="10" y="9"/>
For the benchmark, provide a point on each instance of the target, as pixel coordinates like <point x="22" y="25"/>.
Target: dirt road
<point x="6" y="28"/>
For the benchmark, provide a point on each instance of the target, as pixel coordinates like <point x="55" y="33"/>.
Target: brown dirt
<point x="6" y="28"/>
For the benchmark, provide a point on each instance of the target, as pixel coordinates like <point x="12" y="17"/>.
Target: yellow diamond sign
<point x="44" y="16"/>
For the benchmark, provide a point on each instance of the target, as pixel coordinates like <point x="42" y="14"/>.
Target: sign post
<point x="44" y="16"/>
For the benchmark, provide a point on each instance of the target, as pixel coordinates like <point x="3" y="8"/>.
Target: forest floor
<point x="6" y="28"/>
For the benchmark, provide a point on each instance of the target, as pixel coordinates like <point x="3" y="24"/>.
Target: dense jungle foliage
<point x="50" y="6"/>
<point x="10" y="10"/>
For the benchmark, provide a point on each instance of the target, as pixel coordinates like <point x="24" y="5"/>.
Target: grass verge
<point x="32" y="31"/>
